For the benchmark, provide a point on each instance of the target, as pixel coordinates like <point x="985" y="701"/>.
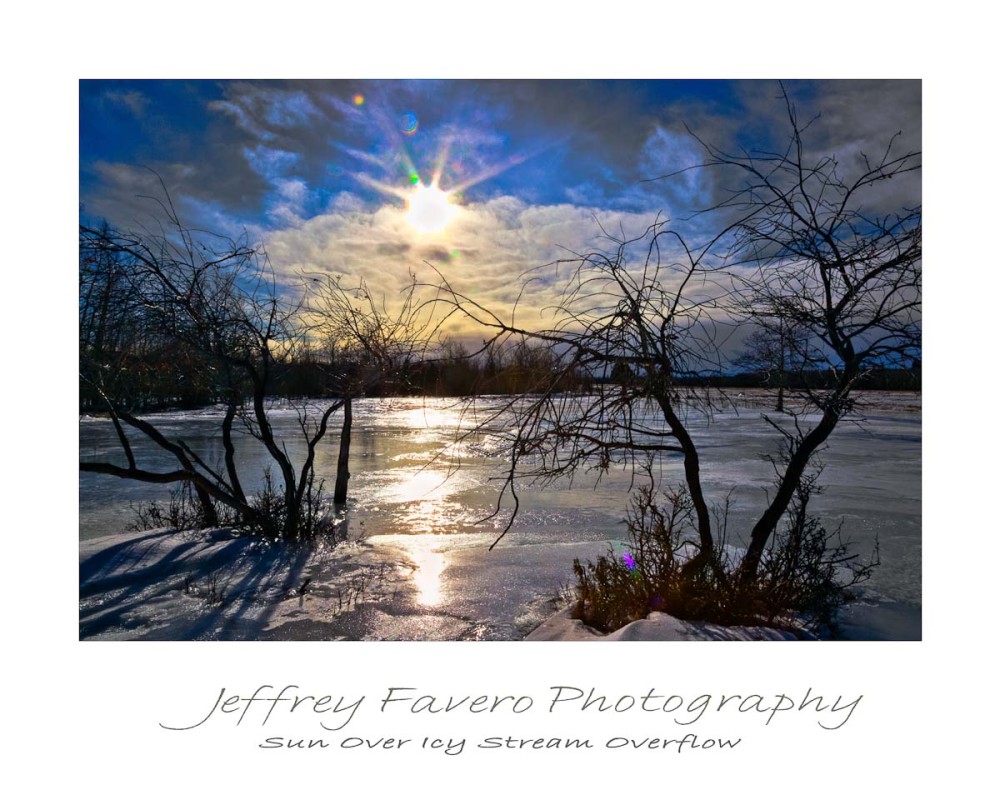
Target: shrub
<point x="807" y="572"/>
<point x="182" y="512"/>
<point x="805" y="576"/>
<point x="270" y="512"/>
<point x="267" y="516"/>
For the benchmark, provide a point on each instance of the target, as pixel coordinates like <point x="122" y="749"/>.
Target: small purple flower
<point x="629" y="561"/>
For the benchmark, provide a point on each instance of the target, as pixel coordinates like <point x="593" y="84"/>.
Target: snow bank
<point x="656" y="627"/>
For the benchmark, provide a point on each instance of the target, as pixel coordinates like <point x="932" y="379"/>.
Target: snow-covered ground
<point x="168" y="585"/>
<point x="172" y="585"/>
<point x="656" y="627"/>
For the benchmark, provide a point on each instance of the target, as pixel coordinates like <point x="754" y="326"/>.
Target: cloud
<point x="264" y="110"/>
<point x="588" y="143"/>
<point x="545" y="167"/>
<point x="490" y="253"/>
<point x="130" y="196"/>
<point x="270" y="162"/>
<point x="134" y="101"/>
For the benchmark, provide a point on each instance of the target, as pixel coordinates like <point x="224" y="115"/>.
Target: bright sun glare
<point x="429" y="210"/>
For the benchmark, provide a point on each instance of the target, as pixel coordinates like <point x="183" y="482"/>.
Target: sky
<point x="512" y="174"/>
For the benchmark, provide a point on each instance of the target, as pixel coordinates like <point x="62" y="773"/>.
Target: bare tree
<point x="775" y="352"/>
<point x="625" y="308"/>
<point x="835" y="257"/>
<point x="803" y="247"/>
<point x="215" y="300"/>
<point x="371" y="342"/>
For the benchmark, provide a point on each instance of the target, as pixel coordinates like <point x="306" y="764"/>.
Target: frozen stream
<point x="416" y="499"/>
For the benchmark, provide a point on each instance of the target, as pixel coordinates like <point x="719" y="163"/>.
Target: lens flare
<point x="429" y="209"/>
<point x="359" y="99"/>
<point x="409" y="123"/>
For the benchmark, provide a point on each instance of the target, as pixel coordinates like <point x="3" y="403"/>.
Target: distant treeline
<point x="171" y="377"/>
<point x="888" y="379"/>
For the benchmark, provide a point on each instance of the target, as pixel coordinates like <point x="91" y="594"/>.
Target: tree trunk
<point x="692" y="476"/>
<point x="797" y="463"/>
<point x="343" y="475"/>
<point x="230" y="450"/>
<point x="265" y="434"/>
<point x="210" y="517"/>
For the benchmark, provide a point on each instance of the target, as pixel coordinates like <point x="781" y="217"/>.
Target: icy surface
<point x="414" y="522"/>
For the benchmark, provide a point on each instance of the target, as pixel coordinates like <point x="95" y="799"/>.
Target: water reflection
<point x="422" y="509"/>
<point x="424" y="500"/>
<point x="421" y="485"/>
<point x="428" y="421"/>
<point x="429" y="561"/>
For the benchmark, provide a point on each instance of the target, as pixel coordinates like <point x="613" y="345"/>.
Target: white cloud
<point x="269" y="162"/>
<point x="136" y="102"/>
<point x="487" y="253"/>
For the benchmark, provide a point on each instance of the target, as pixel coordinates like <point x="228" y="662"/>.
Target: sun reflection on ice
<point x="421" y="507"/>
<point x="429" y="423"/>
<point x="422" y="486"/>
<point x="429" y="563"/>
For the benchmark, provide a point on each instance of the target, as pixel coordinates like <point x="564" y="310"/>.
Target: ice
<point x="416" y="510"/>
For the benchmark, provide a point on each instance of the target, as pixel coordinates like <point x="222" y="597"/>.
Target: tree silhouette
<point x="821" y="260"/>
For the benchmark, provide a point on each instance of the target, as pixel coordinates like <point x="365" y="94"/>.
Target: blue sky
<point x="320" y="171"/>
<point x="242" y="147"/>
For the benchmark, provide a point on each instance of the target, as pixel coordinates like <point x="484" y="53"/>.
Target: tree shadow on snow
<point x="170" y="586"/>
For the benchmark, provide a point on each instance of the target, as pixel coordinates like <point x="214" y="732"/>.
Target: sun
<point x="429" y="210"/>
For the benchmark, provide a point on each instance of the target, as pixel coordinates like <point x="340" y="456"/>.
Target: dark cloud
<point x="434" y="254"/>
<point x="392" y="248"/>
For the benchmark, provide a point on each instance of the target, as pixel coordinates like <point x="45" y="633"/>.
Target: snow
<point x="170" y="585"/>
<point x="656" y="627"/>
<point x="183" y="585"/>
